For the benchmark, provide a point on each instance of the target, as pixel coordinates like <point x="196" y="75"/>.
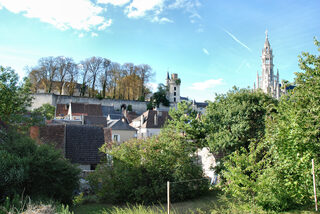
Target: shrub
<point x="38" y="171"/>
<point x="140" y="170"/>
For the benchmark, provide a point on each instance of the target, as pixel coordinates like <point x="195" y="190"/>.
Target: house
<point x="121" y="131"/>
<point x="78" y="143"/>
<point x="68" y="88"/>
<point x="76" y="111"/>
<point x="150" y="123"/>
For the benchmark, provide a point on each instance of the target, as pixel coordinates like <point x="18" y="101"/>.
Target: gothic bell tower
<point x="267" y="67"/>
<point x="268" y="82"/>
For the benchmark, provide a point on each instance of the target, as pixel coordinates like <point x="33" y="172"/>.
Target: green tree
<point x="15" y="97"/>
<point x="140" y="170"/>
<point x="235" y="119"/>
<point x="40" y="172"/>
<point x="188" y="122"/>
<point x="160" y="97"/>
<point x="280" y="178"/>
<point x="46" y="111"/>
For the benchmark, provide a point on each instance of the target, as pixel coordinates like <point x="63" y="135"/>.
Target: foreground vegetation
<point x="267" y="147"/>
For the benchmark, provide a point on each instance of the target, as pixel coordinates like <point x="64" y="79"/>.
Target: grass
<point x="203" y="205"/>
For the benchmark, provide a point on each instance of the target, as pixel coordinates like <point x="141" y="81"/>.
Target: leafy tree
<point x="160" y="97"/>
<point x="38" y="171"/>
<point x="140" y="170"/>
<point x="46" y="111"/>
<point x="280" y="178"/>
<point x="235" y="119"/>
<point x="189" y="123"/>
<point x="15" y="97"/>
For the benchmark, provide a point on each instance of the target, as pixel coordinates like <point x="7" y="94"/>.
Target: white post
<point x="168" y="196"/>
<point x="314" y="186"/>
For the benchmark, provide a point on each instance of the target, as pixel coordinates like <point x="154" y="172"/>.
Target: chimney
<point x="142" y="119"/>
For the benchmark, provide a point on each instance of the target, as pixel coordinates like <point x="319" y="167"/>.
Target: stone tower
<point x="173" y="88"/>
<point x="268" y="82"/>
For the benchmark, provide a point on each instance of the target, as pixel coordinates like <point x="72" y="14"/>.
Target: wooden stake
<point x="314" y="186"/>
<point x="168" y="196"/>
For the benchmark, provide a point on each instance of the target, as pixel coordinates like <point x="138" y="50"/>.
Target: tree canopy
<point x="15" y="97"/>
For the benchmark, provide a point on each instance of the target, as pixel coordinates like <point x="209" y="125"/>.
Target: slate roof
<point x="83" y="143"/>
<point x="184" y="98"/>
<point x="120" y="125"/>
<point x="95" y="120"/>
<point x="75" y="122"/>
<point x="150" y="116"/>
<point x="106" y="110"/>
<point x="61" y="110"/>
<point x="201" y="105"/>
<point x="115" y="116"/>
<point x="86" y="109"/>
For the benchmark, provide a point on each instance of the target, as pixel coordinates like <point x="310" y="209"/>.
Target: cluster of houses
<point x="82" y="125"/>
<point x="80" y="129"/>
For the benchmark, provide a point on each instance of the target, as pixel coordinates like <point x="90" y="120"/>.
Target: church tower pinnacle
<point x="268" y="82"/>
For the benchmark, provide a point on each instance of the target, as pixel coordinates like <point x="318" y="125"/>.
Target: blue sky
<point x="212" y="45"/>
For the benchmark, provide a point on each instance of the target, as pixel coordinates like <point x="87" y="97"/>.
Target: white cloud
<point x="81" y="35"/>
<point x="139" y="8"/>
<point x="208" y="84"/>
<point x="93" y="34"/>
<point x="114" y="2"/>
<point x="105" y="25"/>
<point x="74" y="14"/>
<point x="162" y="20"/>
<point x="205" y="51"/>
<point x="237" y="40"/>
<point x="190" y="6"/>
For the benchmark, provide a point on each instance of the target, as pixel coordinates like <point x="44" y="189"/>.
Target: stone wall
<point x="53" y="99"/>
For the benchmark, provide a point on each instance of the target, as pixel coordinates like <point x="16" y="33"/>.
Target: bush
<point x="140" y="169"/>
<point x="36" y="171"/>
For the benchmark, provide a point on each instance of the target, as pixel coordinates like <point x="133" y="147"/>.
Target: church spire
<point x="266" y="43"/>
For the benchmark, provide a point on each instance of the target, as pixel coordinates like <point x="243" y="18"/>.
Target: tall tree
<point x="145" y="73"/>
<point x="93" y="66"/>
<point x="48" y="67"/>
<point x="15" y="97"/>
<point x="234" y="119"/>
<point x="64" y="64"/>
<point x="160" y="97"/>
<point x="72" y="76"/>
<point x="104" y="76"/>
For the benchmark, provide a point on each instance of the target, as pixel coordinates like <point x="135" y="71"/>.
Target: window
<point x="175" y="88"/>
<point x="174" y="99"/>
<point x="116" y="138"/>
<point x="267" y="61"/>
<point x="175" y="93"/>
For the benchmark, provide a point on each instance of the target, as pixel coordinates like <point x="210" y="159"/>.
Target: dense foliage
<point x="36" y="171"/>
<point x="14" y="98"/>
<point x="159" y="97"/>
<point x="235" y="119"/>
<point x="46" y="111"/>
<point x="279" y="177"/>
<point x="140" y="169"/>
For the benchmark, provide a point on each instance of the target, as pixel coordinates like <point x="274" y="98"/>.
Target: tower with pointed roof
<point x="173" y="88"/>
<point x="268" y="82"/>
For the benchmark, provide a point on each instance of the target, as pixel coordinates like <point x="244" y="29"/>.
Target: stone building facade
<point x="173" y="89"/>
